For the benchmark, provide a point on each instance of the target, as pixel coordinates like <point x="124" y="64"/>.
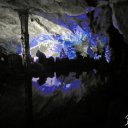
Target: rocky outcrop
<point x="45" y="13"/>
<point x="119" y="18"/>
<point x="72" y="7"/>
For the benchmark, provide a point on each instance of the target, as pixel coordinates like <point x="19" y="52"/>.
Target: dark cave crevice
<point x="119" y="47"/>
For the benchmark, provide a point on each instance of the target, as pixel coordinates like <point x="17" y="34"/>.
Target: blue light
<point x="19" y="49"/>
<point x="71" y="54"/>
<point x="80" y="33"/>
<point x="90" y="52"/>
<point x="97" y="12"/>
<point x="96" y="56"/>
<point x="107" y="54"/>
<point x="93" y="40"/>
<point x="68" y="44"/>
<point x="53" y="84"/>
<point x="104" y="39"/>
<point x="62" y="54"/>
<point x="81" y="17"/>
<point x="89" y="9"/>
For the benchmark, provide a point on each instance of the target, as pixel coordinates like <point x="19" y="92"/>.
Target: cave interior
<point x="63" y="63"/>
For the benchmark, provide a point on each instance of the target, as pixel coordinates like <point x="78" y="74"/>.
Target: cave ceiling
<point x="49" y="18"/>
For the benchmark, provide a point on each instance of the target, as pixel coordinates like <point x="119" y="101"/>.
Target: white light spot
<point x="2" y="59"/>
<point x="35" y="79"/>
<point x="36" y="59"/>
<point x="68" y="85"/>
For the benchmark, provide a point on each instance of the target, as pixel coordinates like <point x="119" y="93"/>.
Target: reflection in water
<point x="64" y="84"/>
<point x="62" y="100"/>
<point x="62" y="91"/>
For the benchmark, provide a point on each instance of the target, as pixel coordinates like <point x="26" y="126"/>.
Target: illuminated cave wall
<point x="76" y="35"/>
<point x="60" y="21"/>
<point x="50" y="32"/>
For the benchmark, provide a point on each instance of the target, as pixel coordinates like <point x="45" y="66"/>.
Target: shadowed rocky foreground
<point x="98" y="100"/>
